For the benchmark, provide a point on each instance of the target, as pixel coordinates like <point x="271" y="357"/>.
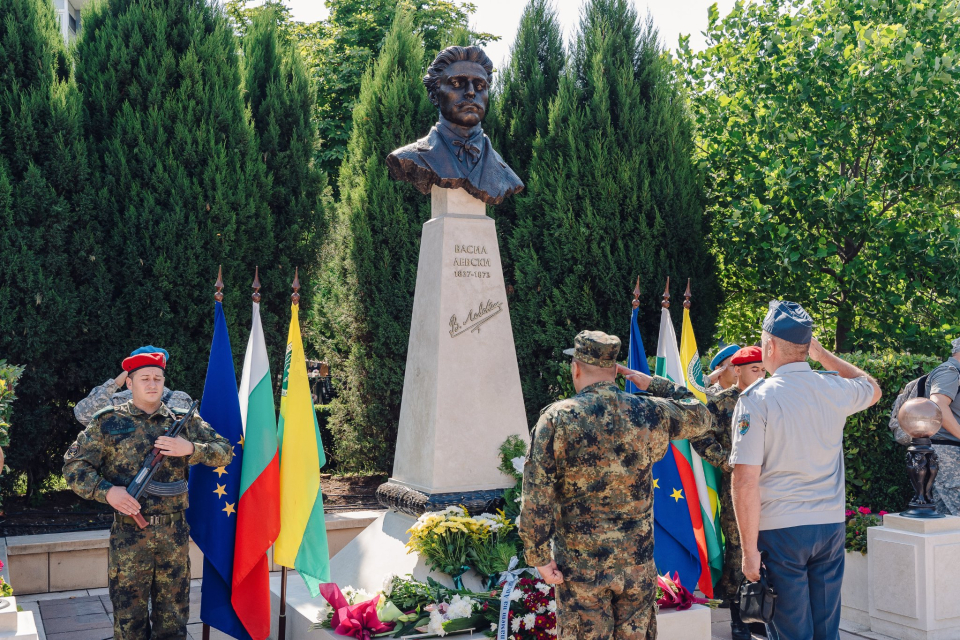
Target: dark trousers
<point x="805" y="565"/>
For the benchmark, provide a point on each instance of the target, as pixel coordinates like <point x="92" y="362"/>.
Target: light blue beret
<point x="788" y="321"/>
<point x="723" y="354"/>
<point x="151" y="349"/>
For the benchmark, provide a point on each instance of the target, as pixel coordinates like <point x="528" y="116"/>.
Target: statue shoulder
<point x="412" y="150"/>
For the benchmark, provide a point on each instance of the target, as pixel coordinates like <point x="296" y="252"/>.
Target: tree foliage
<point x="50" y="258"/>
<point x="612" y="194"/>
<point x="831" y="129"/>
<point x="279" y="96"/>
<point x="370" y="259"/>
<point x="181" y="185"/>
<point x="519" y="106"/>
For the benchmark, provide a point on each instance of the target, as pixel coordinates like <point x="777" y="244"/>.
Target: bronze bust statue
<point x="457" y="153"/>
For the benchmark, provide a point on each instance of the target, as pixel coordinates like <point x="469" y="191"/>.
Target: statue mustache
<point x="474" y="103"/>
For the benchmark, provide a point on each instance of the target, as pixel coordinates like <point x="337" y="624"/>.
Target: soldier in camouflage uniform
<point x="714" y="447"/>
<point x="109" y="394"/>
<point x="943" y="387"/>
<point x="153" y="563"/>
<point x="587" y="505"/>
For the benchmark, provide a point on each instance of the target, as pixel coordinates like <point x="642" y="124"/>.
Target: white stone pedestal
<point x="461" y="388"/>
<point x="914" y="567"/>
<point x="855" y="590"/>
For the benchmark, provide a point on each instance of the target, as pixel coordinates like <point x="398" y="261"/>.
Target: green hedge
<point x="876" y="472"/>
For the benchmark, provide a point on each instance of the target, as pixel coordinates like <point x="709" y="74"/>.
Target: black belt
<point x="166" y="518"/>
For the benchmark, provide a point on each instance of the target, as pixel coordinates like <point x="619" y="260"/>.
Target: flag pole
<point x="636" y="295"/>
<point x="218" y="296"/>
<point x="687" y="296"/>
<point x="665" y="303"/>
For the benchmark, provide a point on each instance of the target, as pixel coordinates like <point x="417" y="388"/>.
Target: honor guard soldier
<point x="788" y="480"/>
<point x="152" y="563"/>
<point x="746" y="365"/>
<point x="587" y="505"/>
<point x="109" y="394"/>
<point x="721" y="370"/>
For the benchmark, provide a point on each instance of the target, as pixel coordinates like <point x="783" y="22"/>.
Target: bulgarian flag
<point x="258" y="516"/>
<point x="680" y="542"/>
<point x="706" y="475"/>
<point x="302" y="544"/>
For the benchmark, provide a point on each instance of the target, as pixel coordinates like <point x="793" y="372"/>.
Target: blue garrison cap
<point x="788" y="321"/>
<point x="151" y="349"/>
<point x="723" y="354"/>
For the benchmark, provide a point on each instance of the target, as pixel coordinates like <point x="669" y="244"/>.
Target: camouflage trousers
<point x="729" y="582"/>
<point x="152" y="565"/>
<point x="946" y="488"/>
<point x="608" y="603"/>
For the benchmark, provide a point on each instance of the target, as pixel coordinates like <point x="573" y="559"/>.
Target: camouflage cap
<point x="595" y="348"/>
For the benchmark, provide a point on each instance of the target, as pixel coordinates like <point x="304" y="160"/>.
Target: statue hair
<point x="447" y="57"/>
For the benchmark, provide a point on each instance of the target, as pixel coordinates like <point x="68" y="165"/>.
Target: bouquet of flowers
<point x="858" y="521"/>
<point x="451" y="541"/>
<point x="673" y="595"/>
<point x="533" y="611"/>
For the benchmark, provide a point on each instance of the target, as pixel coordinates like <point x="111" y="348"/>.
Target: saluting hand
<point x="638" y="378"/>
<point x="176" y="447"/>
<point x="119" y="499"/>
<point x="551" y="573"/>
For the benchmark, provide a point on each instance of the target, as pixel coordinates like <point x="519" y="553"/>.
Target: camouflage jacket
<point x="109" y="395"/>
<point x="113" y="447"/>
<point x="587" y="483"/>
<point x="714" y="445"/>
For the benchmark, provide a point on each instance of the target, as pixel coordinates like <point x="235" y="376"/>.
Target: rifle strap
<point x="166" y="489"/>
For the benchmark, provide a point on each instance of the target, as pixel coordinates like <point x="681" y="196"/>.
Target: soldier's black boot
<point x="738" y="628"/>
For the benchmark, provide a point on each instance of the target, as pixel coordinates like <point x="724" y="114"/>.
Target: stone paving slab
<point x="76" y="623"/>
<point x="52" y="609"/>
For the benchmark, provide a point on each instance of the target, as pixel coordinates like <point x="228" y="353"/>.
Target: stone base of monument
<point x="380" y="551"/>
<point x="913" y="567"/>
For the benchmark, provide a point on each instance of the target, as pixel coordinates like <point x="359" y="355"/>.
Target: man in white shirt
<point x="788" y="480"/>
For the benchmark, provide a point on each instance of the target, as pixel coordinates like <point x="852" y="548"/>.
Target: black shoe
<point x="758" y="629"/>
<point x="740" y="631"/>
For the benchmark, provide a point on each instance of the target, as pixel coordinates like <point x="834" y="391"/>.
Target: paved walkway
<point x="88" y="615"/>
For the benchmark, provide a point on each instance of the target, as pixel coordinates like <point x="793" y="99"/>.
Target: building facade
<point x="68" y="13"/>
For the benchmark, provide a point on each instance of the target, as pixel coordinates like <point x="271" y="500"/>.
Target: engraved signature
<point x="484" y="312"/>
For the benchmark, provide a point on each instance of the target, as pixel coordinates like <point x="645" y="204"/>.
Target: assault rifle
<point x="153" y="461"/>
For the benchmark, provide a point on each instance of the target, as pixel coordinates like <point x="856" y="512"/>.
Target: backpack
<point x="913" y="389"/>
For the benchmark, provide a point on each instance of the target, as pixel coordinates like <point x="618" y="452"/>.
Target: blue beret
<point x="151" y="349"/>
<point x="788" y="321"/>
<point x="723" y="354"/>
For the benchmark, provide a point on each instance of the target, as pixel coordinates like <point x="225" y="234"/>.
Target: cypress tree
<point x="181" y="183"/>
<point x="280" y="99"/>
<point x="50" y="260"/>
<point x="370" y="258"/>
<point x="520" y="105"/>
<point x="612" y="193"/>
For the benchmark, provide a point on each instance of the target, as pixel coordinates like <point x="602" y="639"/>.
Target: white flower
<point x="459" y="608"/>
<point x="516" y="595"/>
<point x="541" y="609"/>
<point x="518" y="463"/>
<point x="323" y="612"/>
<point x="543" y="588"/>
<point x="553" y="631"/>
<point x="388" y="584"/>
<point x="517" y="521"/>
<point x="518" y="499"/>
<point x="552" y="606"/>
<point x="516" y="624"/>
<point x="436" y="623"/>
<point x="530" y="620"/>
<point x="493" y="627"/>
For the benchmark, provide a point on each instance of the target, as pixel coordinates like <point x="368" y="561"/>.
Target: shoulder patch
<point x="105" y="411"/>
<point x="72" y="452"/>
<point x="743" y="424"/>
<point x="753" y="387"/>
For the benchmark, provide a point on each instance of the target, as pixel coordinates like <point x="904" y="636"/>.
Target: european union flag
<point x="215" y="493"/>
<point x="674" y="542"/>
<point x="636" y="356"/>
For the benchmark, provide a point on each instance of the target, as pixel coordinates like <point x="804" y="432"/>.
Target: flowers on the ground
<point x="673" y="595"/>
<point x="858" y="521"/>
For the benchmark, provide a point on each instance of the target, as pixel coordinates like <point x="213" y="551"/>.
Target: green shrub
<point x="875" y="469"/>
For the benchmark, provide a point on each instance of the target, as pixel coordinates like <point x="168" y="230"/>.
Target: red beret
<point x="747" y="355"/>
<point x="142" y="360"/>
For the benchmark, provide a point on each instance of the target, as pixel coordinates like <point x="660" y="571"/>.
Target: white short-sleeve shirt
<point x="791" y="424"/>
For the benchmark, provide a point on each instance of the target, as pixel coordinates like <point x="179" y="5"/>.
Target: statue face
<point x="462" y="93"/>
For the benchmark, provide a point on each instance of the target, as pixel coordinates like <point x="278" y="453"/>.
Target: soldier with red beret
<point x="746" y="365"/>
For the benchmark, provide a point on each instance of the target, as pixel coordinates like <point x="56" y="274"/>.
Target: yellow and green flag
<point x="706" y="475"/>
<point x="302" y="543"/>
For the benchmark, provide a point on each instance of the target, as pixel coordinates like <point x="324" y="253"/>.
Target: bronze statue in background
<point x="921" y="418"/>
<point x="456" y="153"/>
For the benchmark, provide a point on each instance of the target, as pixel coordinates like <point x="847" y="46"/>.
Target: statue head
<point x="920" y="417"/>
<point x="458" y="82"/>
